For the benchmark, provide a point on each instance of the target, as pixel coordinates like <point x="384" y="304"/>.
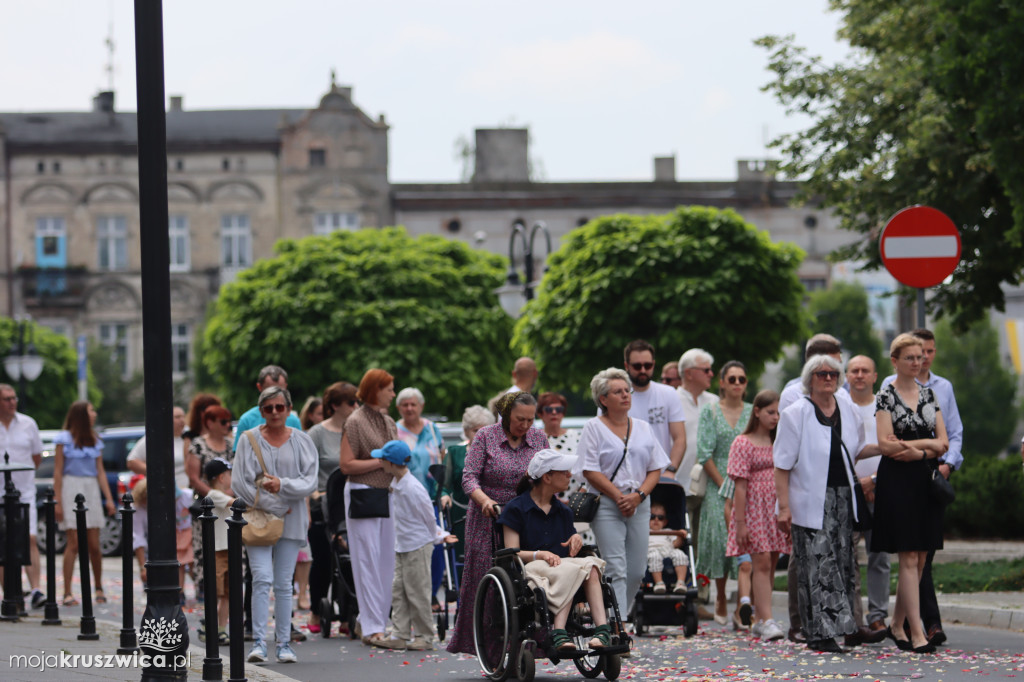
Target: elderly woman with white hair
<point x="622" y="461"/>
<point x="453" y="497"/>
<point x="818" y="439"/>
<point x="421" y="435"/>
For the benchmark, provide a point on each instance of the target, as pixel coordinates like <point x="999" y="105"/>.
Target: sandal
<point x="100" y="597"/>
<point x="602" y="637"/>
<point x="223" y="639"/>
<point x="561" y="640"/>
<point x="69" y="600"/>
<point x="376" y="639"/>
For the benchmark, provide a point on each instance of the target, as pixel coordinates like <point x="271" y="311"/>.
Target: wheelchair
<point x="512" y="625"/>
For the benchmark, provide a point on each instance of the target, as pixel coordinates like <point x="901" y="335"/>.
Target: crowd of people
<point x="795" y="473"/>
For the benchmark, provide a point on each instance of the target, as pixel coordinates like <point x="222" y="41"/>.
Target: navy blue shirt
<point x="539" y="531"/>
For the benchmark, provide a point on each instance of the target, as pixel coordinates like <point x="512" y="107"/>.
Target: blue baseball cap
<point x="394" y="451"/>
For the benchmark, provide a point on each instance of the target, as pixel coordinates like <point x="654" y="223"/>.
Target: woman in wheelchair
<point x="541" y="526"/>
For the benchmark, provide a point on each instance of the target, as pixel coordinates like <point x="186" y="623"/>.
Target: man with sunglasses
<point x="271" y="375"/>
<point x="657" y="404"/>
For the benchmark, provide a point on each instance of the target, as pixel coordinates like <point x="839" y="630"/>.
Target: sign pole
<point x="920" y="309"/>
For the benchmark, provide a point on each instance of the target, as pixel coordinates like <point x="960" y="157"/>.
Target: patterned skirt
<point x="825" y="576"/>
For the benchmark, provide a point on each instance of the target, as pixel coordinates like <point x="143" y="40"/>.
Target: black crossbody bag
<point x="583" y="504"/>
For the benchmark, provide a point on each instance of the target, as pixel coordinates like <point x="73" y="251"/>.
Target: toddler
<point x="664" y="544"/>
<point x="218" y="474"/>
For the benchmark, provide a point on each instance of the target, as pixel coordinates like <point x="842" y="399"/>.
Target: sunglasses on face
<point x="658" y="517"/>
<point x="827" y="374"/>
<point x="638" y="366"/>
<point x="276" y="407"/>
<point x="737" y="380"/>
<point x="554" y="409"/>
<point x="224" y="422"/>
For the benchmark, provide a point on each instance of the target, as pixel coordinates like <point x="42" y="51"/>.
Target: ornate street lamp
<point x="24" y="364"/>
<point x="516" y="292"/>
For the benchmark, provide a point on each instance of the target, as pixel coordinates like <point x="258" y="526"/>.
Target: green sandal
<point x="602" y="637"/>
<point x="561" y="640"/>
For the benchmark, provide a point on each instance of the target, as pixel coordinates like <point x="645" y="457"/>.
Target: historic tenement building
<point x="239" y="180"/>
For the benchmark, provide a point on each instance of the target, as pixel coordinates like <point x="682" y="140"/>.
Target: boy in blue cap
<point x="416" y="533"/>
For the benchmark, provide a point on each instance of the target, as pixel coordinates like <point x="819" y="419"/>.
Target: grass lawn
<point x="1001" y="575"/>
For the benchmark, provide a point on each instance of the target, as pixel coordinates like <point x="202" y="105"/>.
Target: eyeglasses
<point x="913" y="358"/>
<point x="554" y="409"/>
<point x="704" y="370"/>
<point x="224" y="422"/>
<point x="638" y="366"/>
<point x="276" y="407"/>
<point x="737" y="380"/>
<point x="658" y="517"/>
<point x="671" y="380"/>
<point x="10" y="399"/>
<point x="827" y="374"/>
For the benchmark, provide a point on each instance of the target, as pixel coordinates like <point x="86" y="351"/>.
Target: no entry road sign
<point x="920" y="246"/>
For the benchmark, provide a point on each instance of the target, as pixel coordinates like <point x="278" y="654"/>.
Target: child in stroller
<point x="665" y="543"/>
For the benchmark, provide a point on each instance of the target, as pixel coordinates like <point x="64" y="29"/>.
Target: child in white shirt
<point x="218" y="474"/>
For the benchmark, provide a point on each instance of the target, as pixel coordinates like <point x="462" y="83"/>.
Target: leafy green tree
<point x="329" y="308"/>
<point x="695" y="277"/>
<point x="126" y="400"/>
<point x="985" y="389"/>
<point x="842" y="311"/>
<point x="924" y="111"/>
<point x="48" y="398"/>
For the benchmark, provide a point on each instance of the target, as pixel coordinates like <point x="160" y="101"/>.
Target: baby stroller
<point x="340" y="604"/>
<point x="512" y="625"/>
<point x="451" y="565"/>
<point x="670" y="608"/>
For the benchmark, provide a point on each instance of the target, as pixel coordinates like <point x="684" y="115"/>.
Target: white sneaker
<point x="771" y="631"/>
<point x="659" y="587"/>
<point x="757" y="629"/>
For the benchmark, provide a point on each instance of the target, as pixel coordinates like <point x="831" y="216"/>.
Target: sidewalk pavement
<point x="29" y="637"/>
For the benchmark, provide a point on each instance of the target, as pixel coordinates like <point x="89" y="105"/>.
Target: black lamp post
<point x="24" y="364"/>
<point x="516" y="292"/>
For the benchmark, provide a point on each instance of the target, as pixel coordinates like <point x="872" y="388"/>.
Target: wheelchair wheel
<point x="496" y="626"/>
<point x="612" y="666"/>
<point x="589" y="666"/>
<point x="526" y="666"/>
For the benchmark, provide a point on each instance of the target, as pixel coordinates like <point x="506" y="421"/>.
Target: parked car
<point x="118" y="441"/>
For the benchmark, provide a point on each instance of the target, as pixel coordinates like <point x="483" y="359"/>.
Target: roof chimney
<point x="104" y="102"/>
<point x="176" y="102"/>
<point x="502" y="155"/>
<point x="665" y="168"/>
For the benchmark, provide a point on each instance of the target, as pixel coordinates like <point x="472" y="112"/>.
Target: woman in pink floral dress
<point x="753" y="528"/>
<point x="495" y="462"/>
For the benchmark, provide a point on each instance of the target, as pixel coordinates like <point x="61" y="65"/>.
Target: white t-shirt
<point x="866" y="467"/>
<point x="180" y="477"/>
<point x="600" y="450"/>
<point x="659" y="406"/>
<point x="691" y="409"/>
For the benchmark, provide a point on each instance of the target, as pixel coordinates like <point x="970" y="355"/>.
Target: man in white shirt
<point x="19" y="438"/>
<point x="657" y="404"/>
<point x="861" y="376"/>
<point x="524" y="375"/>
<point x="696" y="372"/>
<point x="948" y="463"/>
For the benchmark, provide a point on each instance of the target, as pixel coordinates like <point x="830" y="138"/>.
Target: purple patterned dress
<point x="495" y="467"/>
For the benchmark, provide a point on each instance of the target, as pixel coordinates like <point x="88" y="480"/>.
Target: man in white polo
<point x="696" y="372"/>
<point x="19" y="438"/>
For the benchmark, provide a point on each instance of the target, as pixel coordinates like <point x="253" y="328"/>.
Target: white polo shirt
<point x="21" y="440"/>
<point x="691" y="409"/>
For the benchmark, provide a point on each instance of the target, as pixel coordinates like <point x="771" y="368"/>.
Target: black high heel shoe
<point x="901" y="644"/>
<point x="926" y="648"/>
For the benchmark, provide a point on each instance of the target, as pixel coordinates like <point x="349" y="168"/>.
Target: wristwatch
<point x="672" y="468"/>
<point x="642" y="494"/>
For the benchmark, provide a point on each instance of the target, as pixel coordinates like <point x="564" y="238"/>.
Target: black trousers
<point x="926" y="594"/>
<point x="320" y="571"/>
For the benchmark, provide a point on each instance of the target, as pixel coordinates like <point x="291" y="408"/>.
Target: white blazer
<point x="802" y="446"/>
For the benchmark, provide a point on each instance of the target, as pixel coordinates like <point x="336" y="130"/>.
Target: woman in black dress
<point x="912" y="437"/>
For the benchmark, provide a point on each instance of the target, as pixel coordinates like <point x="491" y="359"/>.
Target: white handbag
<point x="698" y="480"/>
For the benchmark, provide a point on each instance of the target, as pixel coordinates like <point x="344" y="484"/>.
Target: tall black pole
<point x="164" y="629"/>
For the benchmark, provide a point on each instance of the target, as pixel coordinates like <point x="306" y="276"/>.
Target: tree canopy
<point x="327" y="308"/>
<point x="926" y="110"/>
<point x="696" y="277"/>
<point x="48" y="398"/>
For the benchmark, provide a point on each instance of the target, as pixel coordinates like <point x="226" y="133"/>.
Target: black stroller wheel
<point x="326" y="613"/>
<point x="612" y="666"/>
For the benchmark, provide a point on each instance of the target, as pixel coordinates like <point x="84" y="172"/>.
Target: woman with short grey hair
<point x="814" y="450"/>
<point x="621" y="461"/>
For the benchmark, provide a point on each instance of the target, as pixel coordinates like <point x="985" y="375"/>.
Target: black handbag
<point x="583" y="504"/>
<point x="940" y="490"/>
<point x="368" y="503"/>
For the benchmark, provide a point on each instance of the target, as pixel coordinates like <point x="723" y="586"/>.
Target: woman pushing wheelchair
<point x="541" y="527"/>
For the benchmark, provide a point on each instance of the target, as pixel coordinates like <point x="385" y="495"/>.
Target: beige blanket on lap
<point x="561" y="582"/>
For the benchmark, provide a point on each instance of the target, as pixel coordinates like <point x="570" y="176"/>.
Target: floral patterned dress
<point x="755" y="464"/>
<point x="714" y="438"/>
<point x="493" y="466"/>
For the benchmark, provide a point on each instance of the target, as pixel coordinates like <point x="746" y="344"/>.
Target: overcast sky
<point x="603" y="86"/>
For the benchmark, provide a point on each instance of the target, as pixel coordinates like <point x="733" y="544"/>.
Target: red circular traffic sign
<point x="920" y="246"/>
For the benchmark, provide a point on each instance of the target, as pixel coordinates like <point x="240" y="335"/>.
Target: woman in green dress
<point x="719" y="424"/>
<point x="473" y="419"/>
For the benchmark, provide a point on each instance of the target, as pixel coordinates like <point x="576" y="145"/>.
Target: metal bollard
<point x="129" y="640"/>
<point x="15" y="544"/>
<point x="87" y="629"/>
<point x="213" y="667"/>
<point x="51" y="615"/>
<point x="237" y="646"/>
